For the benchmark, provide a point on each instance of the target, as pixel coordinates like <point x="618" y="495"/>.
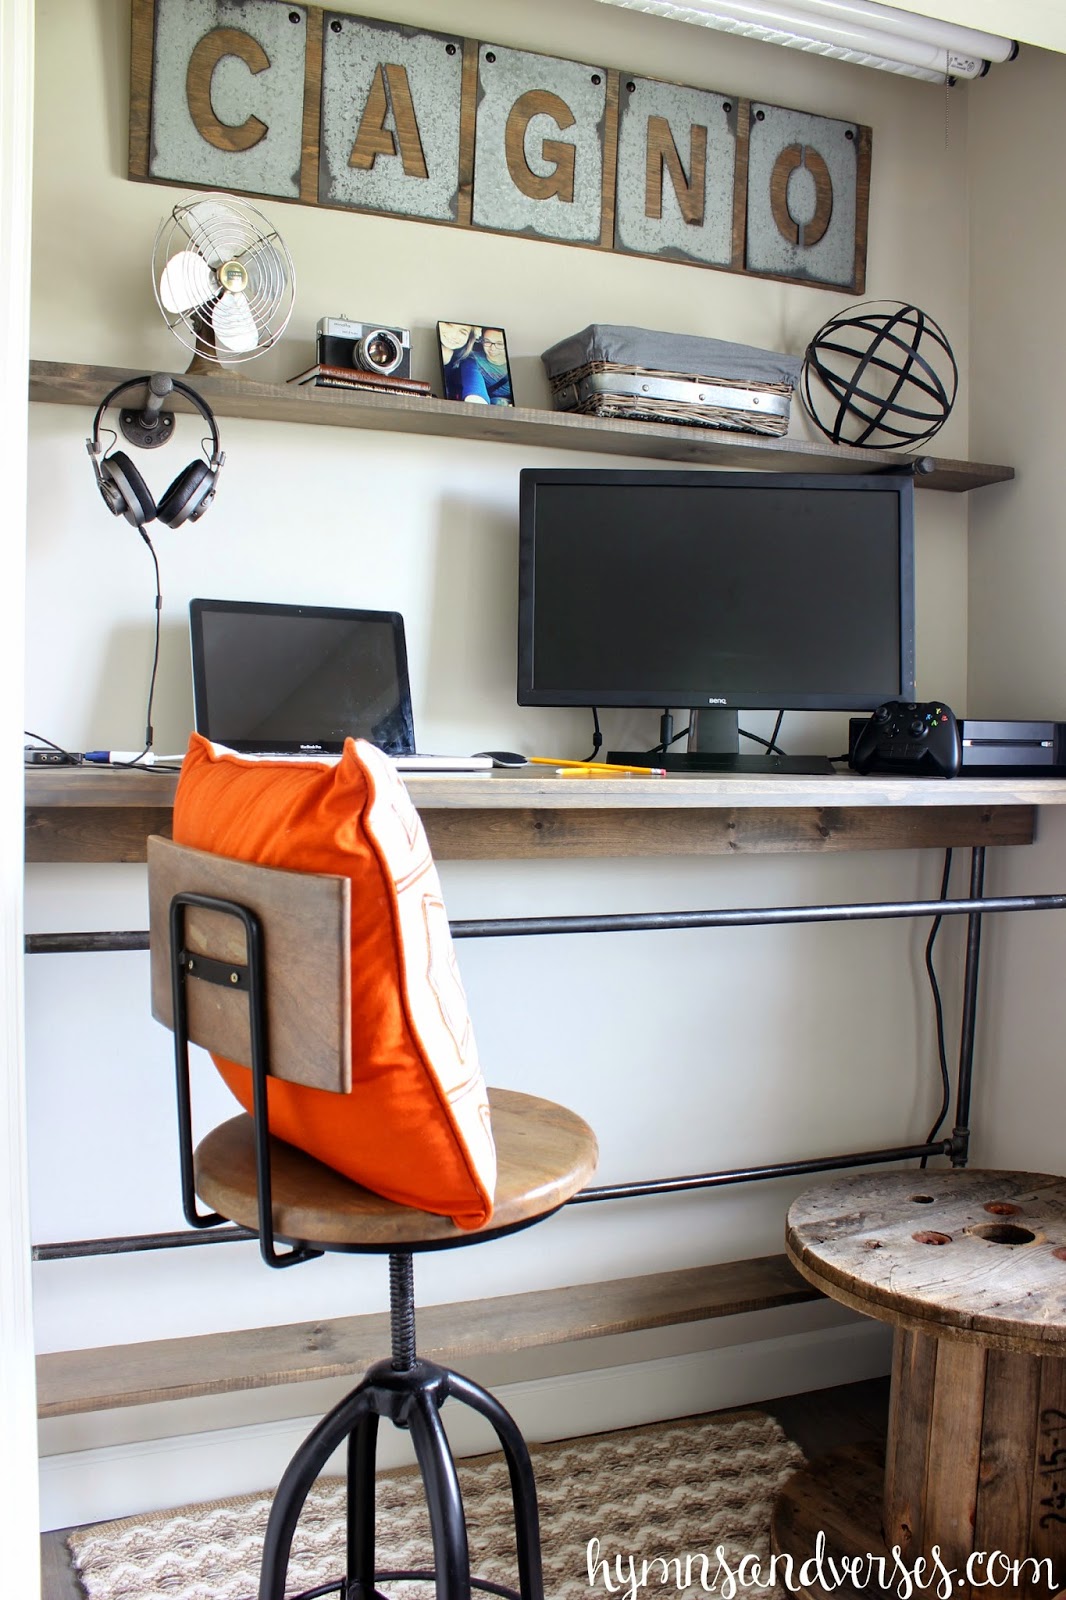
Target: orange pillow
<point x="415" y="1126"/>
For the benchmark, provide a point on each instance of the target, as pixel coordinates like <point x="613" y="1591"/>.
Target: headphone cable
<point x="149" y="735"/>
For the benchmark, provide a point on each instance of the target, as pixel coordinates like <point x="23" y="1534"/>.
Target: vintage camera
<point x="365" y="347"/>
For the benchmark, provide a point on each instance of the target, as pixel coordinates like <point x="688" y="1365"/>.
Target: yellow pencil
<point x="611" y="772"/>
<point x="596" y="766"/>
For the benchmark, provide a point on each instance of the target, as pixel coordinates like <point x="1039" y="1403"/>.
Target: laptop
<point x="296" y="681"/>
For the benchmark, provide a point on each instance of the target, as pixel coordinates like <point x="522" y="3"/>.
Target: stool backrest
<point x="306" y="947"/>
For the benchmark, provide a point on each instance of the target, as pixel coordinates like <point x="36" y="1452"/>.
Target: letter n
<point x="662" y="154"/>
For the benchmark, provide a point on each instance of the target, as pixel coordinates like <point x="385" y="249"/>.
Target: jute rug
<point x="661" y="1500"/>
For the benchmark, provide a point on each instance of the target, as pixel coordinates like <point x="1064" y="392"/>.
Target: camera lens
<point x="378" y="351"/>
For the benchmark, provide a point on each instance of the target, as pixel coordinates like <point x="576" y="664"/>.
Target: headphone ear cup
<point x="188" y="496"/>
<point x="133" y="499"/>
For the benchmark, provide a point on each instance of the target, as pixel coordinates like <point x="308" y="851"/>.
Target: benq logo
<point x="716" y="700"/>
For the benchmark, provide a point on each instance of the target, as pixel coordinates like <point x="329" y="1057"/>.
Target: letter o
<point x="791" y="157"/>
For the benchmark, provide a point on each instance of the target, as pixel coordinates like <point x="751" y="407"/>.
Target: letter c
<point x="206" y="56"/>
<point x="535" y="103"/>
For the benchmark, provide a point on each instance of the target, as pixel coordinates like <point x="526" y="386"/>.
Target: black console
<point x="1006" y="749"/>
<point x="907" y="736"/>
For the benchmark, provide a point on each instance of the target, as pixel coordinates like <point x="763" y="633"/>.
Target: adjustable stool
<point x="240" y="950"/>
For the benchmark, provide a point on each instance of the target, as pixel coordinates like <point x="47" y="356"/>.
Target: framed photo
<point x="473" y="364"/>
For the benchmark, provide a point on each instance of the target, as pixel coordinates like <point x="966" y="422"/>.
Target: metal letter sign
<point x="293" y="101"/>
<point x="227" y="94"/>
<point x="538" y="158"/>
<point x="390" y="118"/>
<point x="676" y="158"/>
<point x="802" y="196"/>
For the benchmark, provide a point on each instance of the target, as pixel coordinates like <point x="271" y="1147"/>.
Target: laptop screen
<point x="286" y="678"/>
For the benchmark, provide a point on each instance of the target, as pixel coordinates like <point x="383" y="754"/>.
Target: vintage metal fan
<point x="223" y="279"/>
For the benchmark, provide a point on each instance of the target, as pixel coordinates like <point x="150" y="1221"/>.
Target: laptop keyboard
<point x="415" y="763"/>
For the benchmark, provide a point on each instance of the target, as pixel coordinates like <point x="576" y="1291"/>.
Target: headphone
<point x="124" y="490"/>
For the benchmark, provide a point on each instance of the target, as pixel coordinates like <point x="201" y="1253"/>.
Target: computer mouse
<point x="504" y="758"/>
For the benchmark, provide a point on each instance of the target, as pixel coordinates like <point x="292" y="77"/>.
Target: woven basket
<point x="645" y="394"/>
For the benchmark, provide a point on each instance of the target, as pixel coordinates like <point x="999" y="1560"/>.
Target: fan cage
<point x="216" y="229"/>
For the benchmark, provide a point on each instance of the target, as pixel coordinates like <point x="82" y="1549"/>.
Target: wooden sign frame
<point x="849" y="274"/>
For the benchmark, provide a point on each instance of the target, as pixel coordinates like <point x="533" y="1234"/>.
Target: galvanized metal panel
<point x="686" y="391"/>
<point x="669" y="139"/>
<point x="391" y="100"/>
<point x="538" y="160"/>
<point x="802" y="178"/>
<point x="251" y="79"/>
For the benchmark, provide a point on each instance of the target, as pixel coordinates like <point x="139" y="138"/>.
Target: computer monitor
<point x="697" y="589"/>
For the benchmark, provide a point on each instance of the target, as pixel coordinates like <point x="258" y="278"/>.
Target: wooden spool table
<point x="970" y="1267"/>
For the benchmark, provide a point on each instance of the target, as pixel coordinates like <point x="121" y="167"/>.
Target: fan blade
<point x="235" y="327"/>
<point x="215" y="228"/>
<point x="187" y="281"/>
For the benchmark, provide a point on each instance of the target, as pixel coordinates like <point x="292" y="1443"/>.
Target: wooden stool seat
<point x="544" y="1152"/>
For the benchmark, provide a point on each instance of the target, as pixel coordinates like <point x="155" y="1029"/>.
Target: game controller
<point x="909" y="736"/>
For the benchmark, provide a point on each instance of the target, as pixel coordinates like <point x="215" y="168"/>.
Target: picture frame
<point x="475" y="369"/>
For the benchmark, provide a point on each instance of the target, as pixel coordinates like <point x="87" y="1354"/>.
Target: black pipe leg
<point x="960" y="1135"/>
<point x="523" y="1483"/>
<point x="305" y="1466"/>
<point x="362" y="1454"/>
<point x="451" y="1557"/>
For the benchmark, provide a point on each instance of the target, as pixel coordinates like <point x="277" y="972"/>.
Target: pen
<point x="561" y="765"/>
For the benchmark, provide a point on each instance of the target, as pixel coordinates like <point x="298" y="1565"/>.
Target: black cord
<point x="939" y="1009"/>
<point x="149" y="735"/>
<point x="597" y="736"/>
<point x="771" y="743"/>
<point x="660" y="749"/>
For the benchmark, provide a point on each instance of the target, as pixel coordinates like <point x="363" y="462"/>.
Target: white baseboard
<point x="122" y="1480"/>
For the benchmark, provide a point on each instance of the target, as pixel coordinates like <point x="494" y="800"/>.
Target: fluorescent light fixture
<point x="860" y="31"/>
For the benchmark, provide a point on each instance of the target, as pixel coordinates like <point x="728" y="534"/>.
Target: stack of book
<point x="322" y="377"/>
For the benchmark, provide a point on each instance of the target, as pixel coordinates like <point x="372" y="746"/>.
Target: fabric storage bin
<point x="608" y="371"/>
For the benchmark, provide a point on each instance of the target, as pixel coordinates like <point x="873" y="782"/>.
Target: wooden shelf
<point x="230" y="396"/>
<point x="102" y="1378"/>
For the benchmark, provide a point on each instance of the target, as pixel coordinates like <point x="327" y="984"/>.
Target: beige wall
<point x="684" y="1051"/>
<point x="1018" y="573"/>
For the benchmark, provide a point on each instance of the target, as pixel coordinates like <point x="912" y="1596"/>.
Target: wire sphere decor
<point x="880" y="374"/>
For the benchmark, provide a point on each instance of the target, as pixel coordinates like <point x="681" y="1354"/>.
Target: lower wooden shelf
<point x="110" y="1376"/>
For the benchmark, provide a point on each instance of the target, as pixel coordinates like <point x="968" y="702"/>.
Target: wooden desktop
<point x="90" y="814"/>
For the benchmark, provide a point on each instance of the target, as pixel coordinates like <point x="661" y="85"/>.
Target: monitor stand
<point x="713" y="747"/>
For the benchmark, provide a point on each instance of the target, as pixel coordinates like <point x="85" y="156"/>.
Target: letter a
<point x="374" y="139"/>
